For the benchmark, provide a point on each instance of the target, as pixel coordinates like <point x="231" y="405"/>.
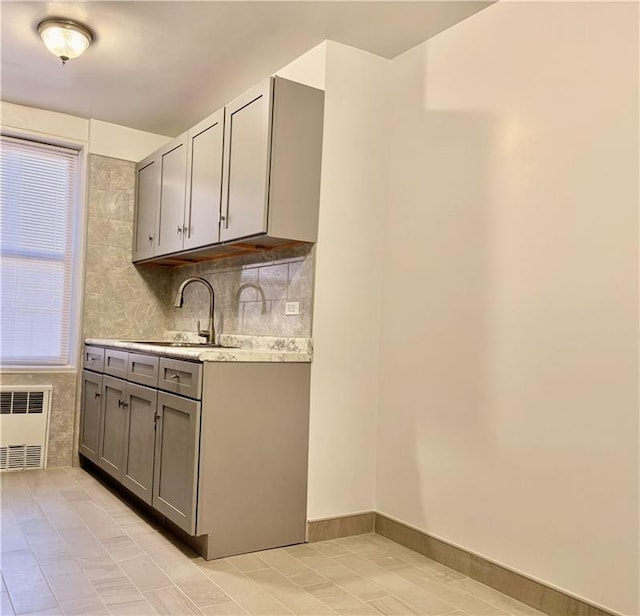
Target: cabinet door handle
<point x="150" y="238"/>
<point x="97" y="394"/>
<point x="122" y="404"/>
<point x="179" y="230"/>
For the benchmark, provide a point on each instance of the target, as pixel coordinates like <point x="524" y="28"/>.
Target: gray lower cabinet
<point x="147" y="439"/>
<point x="176" y="460"/>
<point x="111" y="447"/>
<point x="139" y="440"/>
<point x="90" y="420"/>
<point x="219" y="448"/>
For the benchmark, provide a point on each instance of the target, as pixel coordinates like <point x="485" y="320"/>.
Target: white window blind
<point x="38" y="190"/>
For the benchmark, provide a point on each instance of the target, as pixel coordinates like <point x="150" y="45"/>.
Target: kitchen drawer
<point x="93" y="358"/>
<point x="115" y="363"/>
<point x="180" y="377"/>
<point x="143" y="369"/>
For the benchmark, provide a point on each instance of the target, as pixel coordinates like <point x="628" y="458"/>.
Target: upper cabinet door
<point x="147" y="197"/>
<point x="245" y="185"/>
<point x="204" y="162"/>
<point x="173" y="179"/>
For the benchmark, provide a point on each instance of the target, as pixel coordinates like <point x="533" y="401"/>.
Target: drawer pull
<point x="175" y="376"/>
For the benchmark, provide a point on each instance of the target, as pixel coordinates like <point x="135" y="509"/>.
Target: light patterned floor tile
<point x="263" y="604"/>
<point x="117" y="590"/>
<point x="5" y="603"/>
<point x="70" y="546"/>
<point x="171" y="601"/>
<point x="230" y="608"/>
<point x="331" y="548"/>
<point x="289" y="594"/>
<point x="448" y="593"/>
<point x="509" y="605"/>
<point x="122" y="548"/>
<point x="145" y="574"/>
<point x="132" y="608"/>
<point x="358" y="586"/>
<point x="392" y="606"/>
<point x="88" y="606"/>
<point x="25" y="583"/>
<point x="340" y="600"/>
<point x="247" y="562"/>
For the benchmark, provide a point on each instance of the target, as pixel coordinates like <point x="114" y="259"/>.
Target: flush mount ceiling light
<point x="65" y="38"/>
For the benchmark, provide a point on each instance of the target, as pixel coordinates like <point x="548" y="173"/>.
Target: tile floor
<point x="70" y="546"/>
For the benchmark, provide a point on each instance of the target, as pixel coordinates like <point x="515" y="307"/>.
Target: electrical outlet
<point x="291" y="308"/>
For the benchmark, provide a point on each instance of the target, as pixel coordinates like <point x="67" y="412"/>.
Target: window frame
<point x="79" y="256"/>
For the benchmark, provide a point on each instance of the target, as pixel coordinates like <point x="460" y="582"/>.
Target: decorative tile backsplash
<point x="250" y="294"/>
<point x="120" y="300"/>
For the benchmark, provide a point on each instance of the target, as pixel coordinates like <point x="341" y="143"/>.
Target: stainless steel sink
<point x="199" y="345"/>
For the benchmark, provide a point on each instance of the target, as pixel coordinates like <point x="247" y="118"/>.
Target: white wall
<point x="310" y="68"/>
<point x="102" y="138"/>
<point x="44" y="122"/>
<point x="115" y="141"/>
<point x="346" y="318"/>
<point x="508" y="420"/>
<point x="347" y="285"/>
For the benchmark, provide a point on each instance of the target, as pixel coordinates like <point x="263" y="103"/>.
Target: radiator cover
<point x="24" y="426"/>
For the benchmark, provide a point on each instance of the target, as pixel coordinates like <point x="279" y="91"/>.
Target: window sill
<point x="39" y="369"/>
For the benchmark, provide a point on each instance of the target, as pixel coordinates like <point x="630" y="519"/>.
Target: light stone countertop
<point x="234" y="348"/>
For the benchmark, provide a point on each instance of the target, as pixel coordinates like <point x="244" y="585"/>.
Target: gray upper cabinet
<point x="147" y="196"/>
<point x="273" y="158"/>
<point x="160" y="200"/>
<point x="245" y="186"/>
<point x="204" y="185"/>
<point x="251" y="177"/>
<point x="173" y="185"/>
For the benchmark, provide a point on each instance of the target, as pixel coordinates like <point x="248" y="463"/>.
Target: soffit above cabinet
<point x="132" y="75"/>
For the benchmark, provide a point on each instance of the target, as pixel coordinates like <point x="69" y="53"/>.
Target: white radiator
<point x="24" y="426"/>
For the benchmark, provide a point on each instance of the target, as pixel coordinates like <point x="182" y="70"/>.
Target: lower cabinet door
<point x="90" y="417"/>
<point x="114" y="392"/>
<point x="176" y="460"/>
<point x="139" y="440"/>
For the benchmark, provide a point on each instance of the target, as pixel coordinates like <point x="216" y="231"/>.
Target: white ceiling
<point x="162" y="66"/>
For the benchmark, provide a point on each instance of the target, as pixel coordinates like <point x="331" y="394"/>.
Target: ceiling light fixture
<point x="65" y="38"/>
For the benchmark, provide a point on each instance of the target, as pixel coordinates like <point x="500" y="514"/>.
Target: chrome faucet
<point x="208" y="334"/>
<point x="258" y="288"/>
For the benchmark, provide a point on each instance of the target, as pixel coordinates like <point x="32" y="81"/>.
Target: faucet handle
<point x="204" y="333"/>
